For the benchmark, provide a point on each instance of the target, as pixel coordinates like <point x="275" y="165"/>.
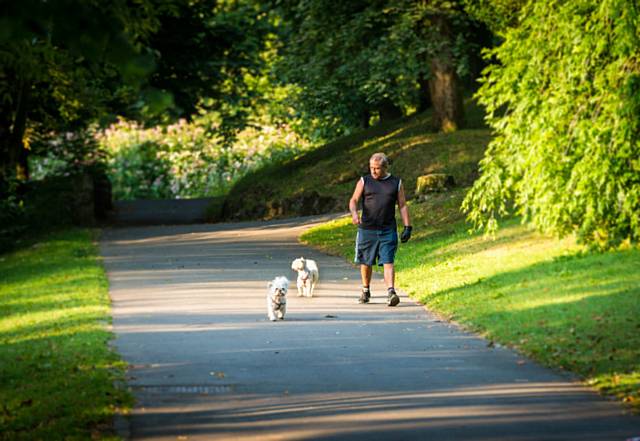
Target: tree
<point x="207" y="48"/>
<point x="359" y="58"/>
<point x="58" y="63"/>
<point x="564" y="101"/>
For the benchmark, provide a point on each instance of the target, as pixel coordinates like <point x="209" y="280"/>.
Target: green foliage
<point x="207" y="49"/>
<point x="184" y="160"/>
<point x="353" y="60"/>
<point x="58" y="372"/>
<point x="497" y="14"/>
<point x="64" y="64"/>
<point x="564" y="101"/>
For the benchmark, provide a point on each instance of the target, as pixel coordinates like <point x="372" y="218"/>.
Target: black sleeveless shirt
<point x="379" y="202"/>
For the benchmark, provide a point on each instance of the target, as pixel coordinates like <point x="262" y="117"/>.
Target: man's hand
<point x="355" y="219"/>
<point x="406" y="234"/>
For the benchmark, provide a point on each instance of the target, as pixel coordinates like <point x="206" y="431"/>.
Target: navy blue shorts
<point x="376" y="246"/>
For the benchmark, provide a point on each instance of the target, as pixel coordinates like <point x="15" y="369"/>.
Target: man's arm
<point x="404" y="208"/>
<point x="353" y="202"/>
<point x="404" y="213"/>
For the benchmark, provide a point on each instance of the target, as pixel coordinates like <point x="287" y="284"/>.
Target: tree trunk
<point x="444" y="85"/>
<point x="445" y="94"/>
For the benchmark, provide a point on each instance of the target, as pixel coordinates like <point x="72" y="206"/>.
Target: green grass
<point x="548" y="298"/>
<point x="57" y="372"/>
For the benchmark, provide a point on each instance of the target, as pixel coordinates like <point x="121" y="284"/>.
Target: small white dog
<point x="277" y="298"/>
<point x="308" y="275"/>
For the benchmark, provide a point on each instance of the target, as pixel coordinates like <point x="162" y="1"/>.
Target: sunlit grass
<point x="57" y="372"/>
<point x="549" y="298"/>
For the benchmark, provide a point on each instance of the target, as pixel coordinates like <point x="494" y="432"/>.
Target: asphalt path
<point x="189" y="315"/>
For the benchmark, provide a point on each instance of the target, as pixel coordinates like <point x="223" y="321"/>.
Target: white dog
<point x="308" y="275"/>
<point x="277" y="298"/>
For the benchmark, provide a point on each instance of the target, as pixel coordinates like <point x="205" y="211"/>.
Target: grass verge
<point x="57" y="371"/>
<point x="548" y="298"/>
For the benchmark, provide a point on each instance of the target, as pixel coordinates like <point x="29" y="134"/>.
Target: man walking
<point x="377" y="238"/>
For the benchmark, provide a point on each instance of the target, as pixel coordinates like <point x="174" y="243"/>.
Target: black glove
<point x="406" y="234"/>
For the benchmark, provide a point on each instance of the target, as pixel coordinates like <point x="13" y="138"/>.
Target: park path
<point x="189" y="316"/>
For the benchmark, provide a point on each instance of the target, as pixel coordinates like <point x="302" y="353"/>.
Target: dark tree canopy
<point x="68" y="63"/>
<point x="355" y="59"/>
<point x="62" y="63"/>
<point x="205" y="49"/>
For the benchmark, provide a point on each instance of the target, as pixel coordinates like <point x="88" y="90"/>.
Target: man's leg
<point x="365" y="274"/>
<point x="389" y="278"/>
<point x="389" y="275"/>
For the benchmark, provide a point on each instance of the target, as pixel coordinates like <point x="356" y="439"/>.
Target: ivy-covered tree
<point x="564" y="101"/>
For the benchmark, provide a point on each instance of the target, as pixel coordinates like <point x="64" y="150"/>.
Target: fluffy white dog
<point x="277" y="298"/>
<point x="308" y="275"/>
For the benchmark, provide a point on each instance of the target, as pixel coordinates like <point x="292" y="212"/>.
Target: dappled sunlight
<point x="565" y="295"/>
<point x="486" y="411"/>
<point x="470" y="260"/>
<point x="54" y="322"/>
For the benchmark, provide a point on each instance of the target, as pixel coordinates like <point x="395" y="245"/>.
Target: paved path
<point x="159" y="211"/>
<point x="206" y="364"/>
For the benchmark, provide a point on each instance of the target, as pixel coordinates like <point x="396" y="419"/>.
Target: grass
<point x="548" y="298"/>
<point x="57" y="371"/>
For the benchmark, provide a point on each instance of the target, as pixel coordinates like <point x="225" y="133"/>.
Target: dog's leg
<point x="313" y="287"/>
<point x="282" y="311"/>
<point x="270" y="312"/>
<point x="300" y="285"/>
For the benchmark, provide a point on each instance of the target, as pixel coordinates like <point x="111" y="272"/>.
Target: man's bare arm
<point x="404" y="208"/>
<point x="353" y="202"/>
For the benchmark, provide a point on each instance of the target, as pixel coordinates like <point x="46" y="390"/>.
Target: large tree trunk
<point x="444" y="85"/>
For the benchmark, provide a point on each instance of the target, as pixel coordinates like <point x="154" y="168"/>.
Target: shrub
<point x="185" y="160"/>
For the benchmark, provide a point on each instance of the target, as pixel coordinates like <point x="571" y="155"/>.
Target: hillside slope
<point x="322" y="180"/>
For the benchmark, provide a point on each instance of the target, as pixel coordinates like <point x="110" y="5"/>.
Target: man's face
<point x="378" y="171"/>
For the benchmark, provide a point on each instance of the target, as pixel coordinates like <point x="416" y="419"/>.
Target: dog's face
<point x="298" y="264"/>
<point x="278" y="288"/>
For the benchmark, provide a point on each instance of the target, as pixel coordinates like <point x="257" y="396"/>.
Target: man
<point x="377" y="238"/>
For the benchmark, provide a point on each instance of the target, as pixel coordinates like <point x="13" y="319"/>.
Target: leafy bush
<point x="185" y="160"/>
<point x="564" y="100"/>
